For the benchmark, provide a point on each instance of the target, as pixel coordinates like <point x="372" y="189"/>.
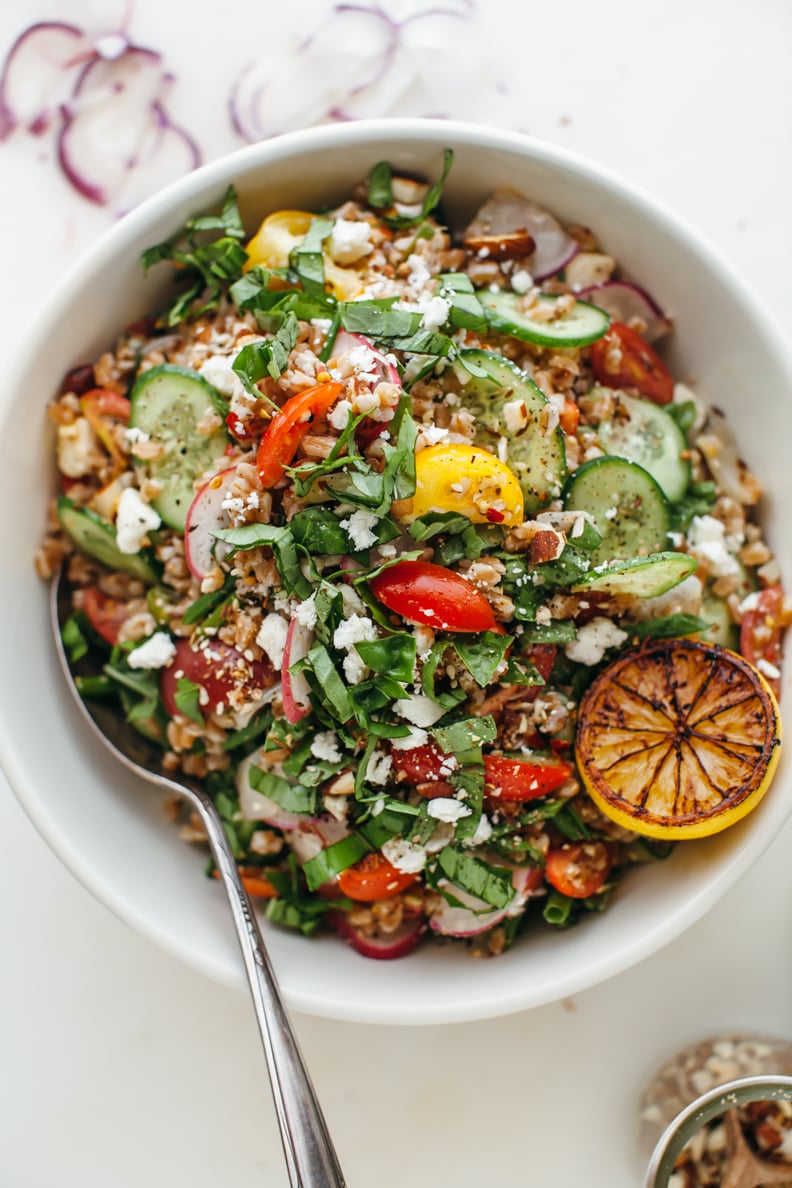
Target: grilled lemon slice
<point x="678" y="739"/>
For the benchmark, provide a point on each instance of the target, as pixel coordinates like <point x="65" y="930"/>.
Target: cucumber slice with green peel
<point x="167" y="404"/>
<point x="535" y="452"/>
<point x="96" y="537"/>
<point x="630" y="511"/>
<point x="643" y="577"/>
<point x="584" y="323"/>
<point x="722" y="630"/>
<point x="645" y="433"/>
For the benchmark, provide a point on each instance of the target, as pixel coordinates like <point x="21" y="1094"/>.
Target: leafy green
<point x="295" y="907"/>
<point x="307" y="260"/>
<point x="94" y="686"/>
<point x="281" y="541"/>
<point x="187" y="698"/>
<point x="448" y="698"/>
<point x="319" y="530"/>
<point x="393" y="656"/>
<point x="293" y="798"/>
<point x="466" y="312"/>
<point x="206" y="603"/>
<point x="396" y="329"/>
<point x="698" y="501"/>
<point x="380" y="193"/>
<point x="560" y="631"/>
<point x="483" y="654"/>
<point x="466" y="734"/>
<point x="493" y="884"/>
<point x="667" y="627"/>
<point x="568" y="822"/>
<point x="73" y="639"/>
<point x="330" y="686"/>
<point x="684" y="412"/>
<point x="269" y="358"/>
<point x="332" y="860"/>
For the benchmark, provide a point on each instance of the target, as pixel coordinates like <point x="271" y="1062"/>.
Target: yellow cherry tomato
<point x="469" y="480"/>
<point x="280" y="232"/>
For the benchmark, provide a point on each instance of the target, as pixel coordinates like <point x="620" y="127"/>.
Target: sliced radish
<point x="379" y="366"/>
<point x="624" y="300"/>
<point x="383" y="947"/>
<point x="38" y="74"/>
<point x="477" y="916"/>
<point x="107" y="120"/>
<point x="311" y="837"/>
<point x="296" y="690"/>
<point x="255" y="806"/>
<point x="166" y="153"/>
<point x="204" y="517"/>
<point x="508" y="211"/>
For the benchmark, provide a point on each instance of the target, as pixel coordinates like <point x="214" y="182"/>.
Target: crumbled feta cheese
<point x="767" y="669"/>
<point x="134" y="520"/>
<point x="76" y="448"/>
<point x="593" y="641"/>
<point x="406" y="857"/>
<point x="362" y="359"/>
<point x="218" y="371"/>
<point x="325" y="746"/>
<point x="434" y="312"/>
<point x="350" y="241"/>
<point x="337" y="806"/>
<point x="134" y="435"/>
<point x="156" y="652"/>
<point x="750" y="602"/>
<point x="305" y="613"/>
<point x="416" y="738"/>
<point x="353" y="603"/>
<point x="445" y="808"/>
<point x="378" y="767"/>
<point x="359" y="526"/>
<point x="271" y="638"/>
<point x="543" y="615"/>
<point x="483" y="833"/>
<point x="433" y="434"/>
<point x="355" y="629"/>
<point x="419" y="709"/>
<point x="338" y="417"/>
<point x="707" y="540"/>
<point x="521" y="281"/>
<point x="419" y="272"/>
<point x="515" y="415"/>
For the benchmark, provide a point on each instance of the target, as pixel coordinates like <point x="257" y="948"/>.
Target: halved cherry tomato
<point x="505" y="778"/>
<point x="289" y="426"/>
<point x="761" y="631"/>
<point x="640" y="366"/>
<point x="254" y="881"/>
<point x="247" y="430"/>
<point x="106" y="615"/>
<point x="578" y="869"/>
<point x="218" y="668"/>
<point x="433" y="596"/>
<point x="373" y="877"/>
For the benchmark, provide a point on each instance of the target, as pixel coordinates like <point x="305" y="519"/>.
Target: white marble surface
<point x="118" y="1065"/>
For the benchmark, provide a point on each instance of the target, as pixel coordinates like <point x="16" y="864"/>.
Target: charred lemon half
<point x="678" y="739"/>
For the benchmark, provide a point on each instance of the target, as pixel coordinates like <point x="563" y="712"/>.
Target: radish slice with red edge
<point x="257" y="807"/>
<point x="476" y="916"/>
<point x="311" y="837"/>
<point x="379" y="367"/>
<point x="37" y="75"/>
<point x="204" y="517"/>
<point x="624" y="300"/>
<point x="296" y="691"/>
<point x="508" y="211"/>
<point x="383" y="947"/>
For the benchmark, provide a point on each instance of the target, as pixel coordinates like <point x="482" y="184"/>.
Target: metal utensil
<point x="744" y="1170"/>
<point x="310" y="1156"/>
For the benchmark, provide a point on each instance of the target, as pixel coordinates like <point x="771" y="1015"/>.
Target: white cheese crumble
<point x="483" y="833"/>
<point x="445" y="808"/>
<point x="325" y="746"/>
<point x="416" y="738"/>
<point x="378" y="767"/>
<point x="271" y="638"/>
<point x="355" y="629"/>
<point x="156" y="652"/>
<point x="419" y="272"/>
<point x="767" y="669"/>
<point x="433" y="434"/>
<point x="521" y="281"/>
<point x="134" y="520"/>
<point x="362" y="358"/>
<point x="515" y="415"/>
<point x="358" y="527"/>
<point x="350" y="241"/>
<point x="419" y="709"/>
<point x="338" y="417"/>
<point x="707" y="539"/>
<point x="593" y="641"/>
<point x="133" y="435"/>
<point x="218" y="371"/>
<point x="406" y="857"/>
<point x="305" y="613"/>
<point x="434" y="311"/>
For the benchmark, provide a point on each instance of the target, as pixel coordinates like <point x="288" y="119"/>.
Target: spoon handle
<point x="310" y="1156"/>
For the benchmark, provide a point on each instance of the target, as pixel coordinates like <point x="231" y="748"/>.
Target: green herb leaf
<point x="380" y="190"/>
<point x="73" y="639"/>
<point x="187" y="698"/>
<point x="561" y="631"/>
<point x="483" y="654"/>
<point x="318" y="530"/>
<point x="293" y="798"/>
<point x="281" y="541"/>
<point x="466" y="312"/>
<point x="307" y="259"/>
<point x="270" y="358"/>
<point x="381" y="193"/>
<point x="334" y="859"/>
<point x="493" y="884"/>
<point x="667" y="627"/>
<point x="467" y="734"/>
<point x="698" y="501"/>
<point x="333" y="690"/>
<point x="206" y="603"/>
<point x="394" y="655"/>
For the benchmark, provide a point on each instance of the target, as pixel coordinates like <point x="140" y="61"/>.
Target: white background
<point x="120" y="1067"/>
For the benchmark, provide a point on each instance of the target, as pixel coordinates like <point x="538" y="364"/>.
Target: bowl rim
<point x="380" y="133"/>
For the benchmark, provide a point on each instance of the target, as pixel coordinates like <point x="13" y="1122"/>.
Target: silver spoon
<point x="310" y="1156"/>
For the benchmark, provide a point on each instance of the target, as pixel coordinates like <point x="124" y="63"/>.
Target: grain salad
<point x="383" y="531"/>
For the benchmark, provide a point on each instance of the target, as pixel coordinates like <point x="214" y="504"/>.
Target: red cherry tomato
<point x="102" y="402"/>
<point x="247" y="430"/>
<point x="760" y="634"/>
<point x="382" y="946"/>
<point x="640" y="367"/>
<point x="373" y="877"/>
<point x="504" y="778"/>
<point x="216" y="667"/>
<point x="578" y="869"/>
<point x="255" y="882"/>
<point x="433" y="596"/>
<point x="106" y="615"/>
<point x="289" y="426"/>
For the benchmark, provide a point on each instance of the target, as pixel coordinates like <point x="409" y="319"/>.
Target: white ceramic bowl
<point x="108" y="828"/>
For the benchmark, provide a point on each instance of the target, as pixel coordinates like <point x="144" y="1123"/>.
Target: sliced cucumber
<point x="584" y="323"/>
<point x="535" y="453"/>
<point x="722" y="630"/>
<point x="630" y="510"/>
<point x="643" y="577"/>
<point x="645" y="433"/>
<point x="167" y="404"/>
<point x="96" y="537"/>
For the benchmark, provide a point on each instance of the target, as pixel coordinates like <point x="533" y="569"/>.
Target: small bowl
<point x="107" y="828"/>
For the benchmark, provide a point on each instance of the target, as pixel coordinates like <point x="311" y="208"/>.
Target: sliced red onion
<point x="256" y="807"/>
<point x="37" y="75"/>
<point x="624" y="300"/>
<point x="507" y="211"/>
<point x="167" y="152"/>
<point x="384" y="947"/>
<point x="296" y="691"/>
<point x="206" y="516"/>
<point x="347" y="53"/>
<point x="477" y="916"/>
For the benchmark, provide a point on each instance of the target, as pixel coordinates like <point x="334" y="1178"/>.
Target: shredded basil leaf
<point x="307" y="259"/>
<point x="698" y="501"/>
<point x="393" y="656"/>
<point x="493" y="884"/>
<point x="560" y="631"/>
<point x="187" y="698"/>
<point x="466" y="312"/>
<point x="334" y="859"/>
<point x="73" y="639"/>
<point x="293" y="798"/>
<point x="380" y="193"/>
<point x="667" y="627"/>
<point x="270" y="358"/>
<point x="466" y="734"/>
<point x="483" y="654"/>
